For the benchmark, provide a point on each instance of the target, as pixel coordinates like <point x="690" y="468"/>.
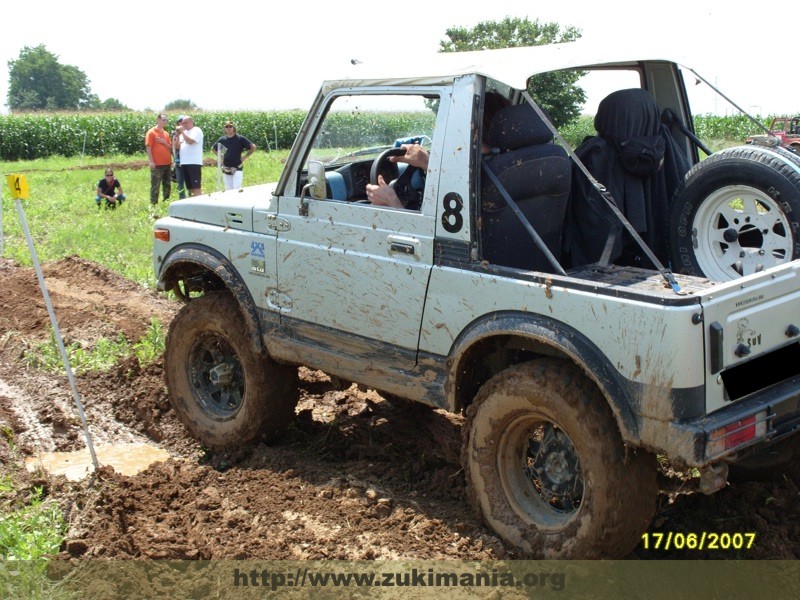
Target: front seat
<point x="536" y="174"/>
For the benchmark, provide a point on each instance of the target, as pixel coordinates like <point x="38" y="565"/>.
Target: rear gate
<point x="753" y="334"/>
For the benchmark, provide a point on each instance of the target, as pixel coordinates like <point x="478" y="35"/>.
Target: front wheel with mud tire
<point x="736" y="213"/>
<point x="226" y="394"/>
<point x="547" y="469"/>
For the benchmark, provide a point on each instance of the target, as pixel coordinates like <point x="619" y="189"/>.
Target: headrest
<point x="627" y="113"/>
<point x="517" y="126"/>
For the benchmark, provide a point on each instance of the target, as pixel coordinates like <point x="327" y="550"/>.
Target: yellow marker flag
<point x="18" y="185"/>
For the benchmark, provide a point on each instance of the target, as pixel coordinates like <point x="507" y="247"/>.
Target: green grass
<point x="30" y="531"/>
<point x="64" y="220"/>
<point x="102" y="355"/>
<point x="32" y="528"/>
<point x="152" y="345"/>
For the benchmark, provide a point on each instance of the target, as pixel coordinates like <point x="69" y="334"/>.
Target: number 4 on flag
<point x="18" y="185"/>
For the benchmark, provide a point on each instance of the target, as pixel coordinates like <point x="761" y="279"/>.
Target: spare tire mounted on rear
<point x="737" y="212"/>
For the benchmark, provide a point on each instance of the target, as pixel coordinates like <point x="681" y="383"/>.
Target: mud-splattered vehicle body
<point x="577" y="353"/>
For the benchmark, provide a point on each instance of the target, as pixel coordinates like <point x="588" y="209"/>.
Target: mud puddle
<point x="126" y="459"/>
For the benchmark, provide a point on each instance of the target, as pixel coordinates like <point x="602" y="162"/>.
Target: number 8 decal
<point x="452" y="219"/>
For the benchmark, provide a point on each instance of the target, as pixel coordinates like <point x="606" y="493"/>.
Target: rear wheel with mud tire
<point x="737" y="212"/>
<point x="225" y="394"/>
<point x="547" y="469"/>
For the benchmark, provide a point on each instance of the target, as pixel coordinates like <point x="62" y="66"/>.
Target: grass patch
<point x="104" y="354"/>
<point x="151" y="346"/>
<point x="32" y="530"/>
<point x="31" y="533"/>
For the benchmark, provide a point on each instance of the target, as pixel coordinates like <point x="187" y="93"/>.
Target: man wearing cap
<point x="190" y="144"/>
<point x="158" y="147"/>
<point x="176" y="155"/>
<point x="232" y="145"/>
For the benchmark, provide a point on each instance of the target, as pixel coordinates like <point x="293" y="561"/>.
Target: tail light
<point x="737" y="434"/>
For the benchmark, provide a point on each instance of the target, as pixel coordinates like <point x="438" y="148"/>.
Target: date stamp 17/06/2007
<point x="705" y="540"/>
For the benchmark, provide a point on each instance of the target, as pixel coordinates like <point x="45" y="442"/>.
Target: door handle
<point x="402" y="248"/>
<point x="402" y="244"/>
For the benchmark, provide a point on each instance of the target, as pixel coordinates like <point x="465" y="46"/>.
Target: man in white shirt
<point x="190" y="143"/>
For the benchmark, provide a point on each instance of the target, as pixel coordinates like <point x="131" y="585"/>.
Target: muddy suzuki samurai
<point x="586" y="309"/>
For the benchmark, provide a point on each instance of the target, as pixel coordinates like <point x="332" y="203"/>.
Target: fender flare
<point x="561" y="340"/>
<point x="213" y="261"/>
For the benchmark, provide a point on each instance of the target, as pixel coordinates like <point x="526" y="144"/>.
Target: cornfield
<point x="33" y="136"/>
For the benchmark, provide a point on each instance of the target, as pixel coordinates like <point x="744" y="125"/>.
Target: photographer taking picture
<point x="190" y="144"/>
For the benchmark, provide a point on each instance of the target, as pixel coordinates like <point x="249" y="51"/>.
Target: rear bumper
<point x="768" y="415"/>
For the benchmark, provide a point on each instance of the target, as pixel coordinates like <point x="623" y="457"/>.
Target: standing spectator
<point x="157" y="143"/>
<point x="190" y="144"/>
<point x="106" y="190"/>
<point x="233" y="161"/>
<point x="176" y="155"/>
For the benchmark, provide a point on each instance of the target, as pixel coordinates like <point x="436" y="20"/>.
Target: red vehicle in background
<point x="783" y="131"/>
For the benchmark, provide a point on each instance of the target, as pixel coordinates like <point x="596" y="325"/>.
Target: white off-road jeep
<point x="586" y="309"/>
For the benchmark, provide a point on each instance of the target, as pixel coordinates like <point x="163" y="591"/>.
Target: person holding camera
<point x="232" y="145"/>
<point x="189" y="142"/>
<point x="177" y="173"/>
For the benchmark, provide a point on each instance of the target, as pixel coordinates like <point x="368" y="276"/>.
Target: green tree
<point x="557" y="93"/>
<point x="37" y="81"/>
<point x="186" y="105"/>
<point x="108" y="105"/>
<point x="112" y="104"/>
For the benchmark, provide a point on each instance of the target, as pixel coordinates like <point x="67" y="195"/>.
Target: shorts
<point x="192" y="176"/>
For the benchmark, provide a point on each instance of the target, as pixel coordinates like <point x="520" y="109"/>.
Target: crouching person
<point x="109" y="189"/>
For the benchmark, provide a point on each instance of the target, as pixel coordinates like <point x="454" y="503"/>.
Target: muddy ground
<point x="354" y="477"/>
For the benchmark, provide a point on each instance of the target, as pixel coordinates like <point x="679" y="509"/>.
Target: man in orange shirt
<point x="158" y="145"/>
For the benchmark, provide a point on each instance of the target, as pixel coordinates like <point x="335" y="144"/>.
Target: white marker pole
<point x="220" y="153"/>
<point x="54" y="323"/>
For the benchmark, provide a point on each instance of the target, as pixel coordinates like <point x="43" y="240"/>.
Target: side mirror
<point x="315" y="187"/>
<point x="316" y="179"/>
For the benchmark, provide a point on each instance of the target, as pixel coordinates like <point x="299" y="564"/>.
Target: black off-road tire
<point x="580" y="495"/>
<point x="769" y="464"/>
<point x="737" y="212"/>
<point x="225" y="394"/>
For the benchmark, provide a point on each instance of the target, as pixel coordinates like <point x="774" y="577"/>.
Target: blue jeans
<point x="179" y="181"/>
<point x="119" y="198"/>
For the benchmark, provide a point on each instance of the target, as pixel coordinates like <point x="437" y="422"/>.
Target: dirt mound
<point x="354" y="477"/>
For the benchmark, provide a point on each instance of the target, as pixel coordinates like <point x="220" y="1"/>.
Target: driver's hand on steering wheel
<point x="415" y="155"/>
<point x="382" y="194"/>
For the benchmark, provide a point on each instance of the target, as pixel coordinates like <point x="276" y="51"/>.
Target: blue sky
<point x="249" y="55"/>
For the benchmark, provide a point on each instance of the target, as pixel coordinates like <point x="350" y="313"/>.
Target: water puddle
<point x="127" y="459"/>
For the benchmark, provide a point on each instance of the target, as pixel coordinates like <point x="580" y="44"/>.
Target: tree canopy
<point x="38" y="81"/>
<point x="557" y="93"/>
<point x="181" y="104"/>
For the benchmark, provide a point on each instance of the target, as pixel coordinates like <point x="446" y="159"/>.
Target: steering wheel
<point x="401" y="184"/>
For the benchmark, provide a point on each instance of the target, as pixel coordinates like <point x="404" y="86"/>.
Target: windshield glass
<point x="359" y="128"/>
